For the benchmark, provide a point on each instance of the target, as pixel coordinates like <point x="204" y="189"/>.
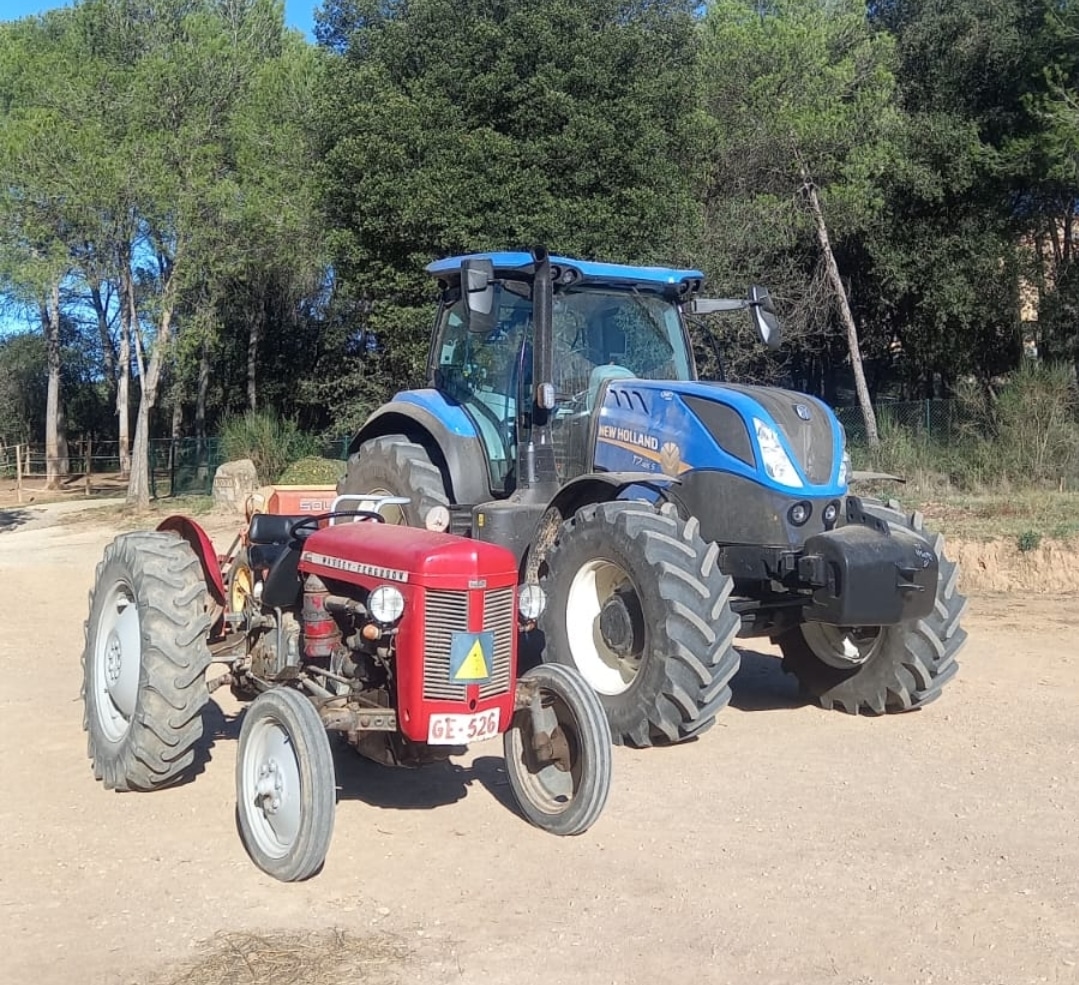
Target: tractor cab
<point x="603" y="322"/>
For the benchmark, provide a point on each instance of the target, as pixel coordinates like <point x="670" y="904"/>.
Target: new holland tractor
<point x="403" y="641"/>
<point x="663" y="515"/>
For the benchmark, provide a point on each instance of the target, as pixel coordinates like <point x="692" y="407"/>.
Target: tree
<point x="557" y="122"/>
<point x="38" y="219"/>
<point x="983" y="201"/>
<point x="801" y="94"/>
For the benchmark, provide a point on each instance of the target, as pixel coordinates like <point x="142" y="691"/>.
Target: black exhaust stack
<point x="538" y="473"/>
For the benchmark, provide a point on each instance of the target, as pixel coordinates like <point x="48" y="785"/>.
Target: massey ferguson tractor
<point x="663" y="516"/>
<point x="404" y="641"/>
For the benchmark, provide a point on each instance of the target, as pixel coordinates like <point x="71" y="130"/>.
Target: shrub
<point x="313" y="471"/>
<point x="271" y="442"/>
<point x="1029" y="540"/>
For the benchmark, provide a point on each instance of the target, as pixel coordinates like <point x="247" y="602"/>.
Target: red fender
<point x="201" y="544"/>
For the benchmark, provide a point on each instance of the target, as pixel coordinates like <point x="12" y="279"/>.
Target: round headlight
<point x="531" y="601"/>
<point x="831" y="511"/>
<point x="386" y="604"/>
<point x="799" y="513"/>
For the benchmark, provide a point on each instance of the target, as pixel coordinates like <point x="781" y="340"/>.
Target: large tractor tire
<point x="883" y="669"/>
<point x="637" y="604"/>
<point x="144" y="665"/>
<point x="394" y="466"/>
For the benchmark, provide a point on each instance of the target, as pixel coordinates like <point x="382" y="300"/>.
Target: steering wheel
<point x="315" y="519"/>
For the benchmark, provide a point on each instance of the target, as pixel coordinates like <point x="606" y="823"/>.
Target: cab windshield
<point x="598" y="335"/>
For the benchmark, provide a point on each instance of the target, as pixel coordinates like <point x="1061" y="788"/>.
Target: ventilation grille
<point x="447" y="613"/>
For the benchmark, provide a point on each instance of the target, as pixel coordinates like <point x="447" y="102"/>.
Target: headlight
<point x="386" y="604"/>
<point x="531" y="601"/>
<point x="775" y="460"/>
<point x="845" y="468"/>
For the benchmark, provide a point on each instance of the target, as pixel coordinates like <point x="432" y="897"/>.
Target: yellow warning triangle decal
<point x="474" y="666"/>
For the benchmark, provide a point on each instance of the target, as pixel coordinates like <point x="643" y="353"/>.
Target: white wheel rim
<point x="117" y="659"/>
<point x="605" y="670"/>
<point x="272" y="796"/>
<point x="548" y="788"/>
<point x="392" y="513"/>
<point x="842" y="646"/>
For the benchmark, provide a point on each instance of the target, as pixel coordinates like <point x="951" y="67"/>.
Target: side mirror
<point x="764" y="317"/>
<point x="478" y="291"/>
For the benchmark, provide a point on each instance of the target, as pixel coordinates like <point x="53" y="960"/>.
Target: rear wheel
<point x="880" y="669"/>
<point x="558" y="752"/>
<point x="285" y="785"/>
<point x="394" y="466"/>
<point x="145" y="660"/>
<point x="637" y="604"/>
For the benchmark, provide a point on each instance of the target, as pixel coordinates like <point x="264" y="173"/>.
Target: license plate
<point x="456" y="730"/>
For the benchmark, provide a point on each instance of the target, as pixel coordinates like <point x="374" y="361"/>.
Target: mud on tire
<point x="393" y="465"/>
<point x="144" y="662"/>
<point x="675" y="675"/>
<point x="908" y="665"/>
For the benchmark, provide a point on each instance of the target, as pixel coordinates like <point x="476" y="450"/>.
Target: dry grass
<point x="991" y="516"/>
<point x="332" y="957"/>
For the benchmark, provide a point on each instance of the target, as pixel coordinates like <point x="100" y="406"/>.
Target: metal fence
<point x="938" y="419"/>
<point x="186" y="466"/>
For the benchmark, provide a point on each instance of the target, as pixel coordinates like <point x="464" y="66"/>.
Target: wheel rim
<point x="272" y="796"/>
<point x="240" y="587"/>
<point x="551" y="778"/>
<point x="842" y="647"/>
<point x="117" y="659"/>
<point x="609" y="668"/>
<point x="392" y="512"/>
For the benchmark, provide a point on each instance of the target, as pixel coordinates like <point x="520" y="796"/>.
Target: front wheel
<point x="637" y="604"/>
<point x="558" y="752"/>
<point x="285" y="785"/>
<point x="882" y="669"/>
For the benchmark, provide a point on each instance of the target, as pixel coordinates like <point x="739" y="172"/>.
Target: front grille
<point x="499" y="618"/>
<point x="447" y="613"/>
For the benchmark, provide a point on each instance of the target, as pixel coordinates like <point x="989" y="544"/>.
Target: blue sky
<point x="298" y="13"/>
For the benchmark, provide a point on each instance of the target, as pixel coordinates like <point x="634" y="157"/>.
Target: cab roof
<point x="588" y="271"/>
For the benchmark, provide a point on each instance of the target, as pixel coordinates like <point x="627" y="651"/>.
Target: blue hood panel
<point x="646" y="425"/>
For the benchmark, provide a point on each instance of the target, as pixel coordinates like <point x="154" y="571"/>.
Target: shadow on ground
<point x="217" y="725"/>
<point x="423" y="788"/>
<point x="761" y="685"/>
<point x="12" y="519"/>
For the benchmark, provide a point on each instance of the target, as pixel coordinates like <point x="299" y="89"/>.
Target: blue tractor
<point x="659" y="515"/>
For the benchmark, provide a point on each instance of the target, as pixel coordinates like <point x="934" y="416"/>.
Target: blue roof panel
<point x="590" y="270"/>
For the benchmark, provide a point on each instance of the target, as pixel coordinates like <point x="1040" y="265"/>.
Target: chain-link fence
<point x="940" y="420"/>
<point x="186" y="466"/>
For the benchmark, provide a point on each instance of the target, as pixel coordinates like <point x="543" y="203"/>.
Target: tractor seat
<point x="601" y="375"/>
<point x="273" y="528"/>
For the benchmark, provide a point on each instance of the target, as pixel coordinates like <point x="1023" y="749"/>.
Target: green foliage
<point x="457" y="126"/>
<point x="271" y="442"/>
<point x="797" y="93"/>
<point x="1028" y="540"/>
<point x="1026" y="434"/>
<point x="313" y="471"/>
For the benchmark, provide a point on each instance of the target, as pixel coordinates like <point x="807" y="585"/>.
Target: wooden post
<point x="89" y="463"/>
<point x="18" y="472"/>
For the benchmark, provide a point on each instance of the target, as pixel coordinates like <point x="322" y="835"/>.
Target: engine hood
<point x="675" y="427"/>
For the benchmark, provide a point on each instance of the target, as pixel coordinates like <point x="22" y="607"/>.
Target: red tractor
<point x="403" y="640"/>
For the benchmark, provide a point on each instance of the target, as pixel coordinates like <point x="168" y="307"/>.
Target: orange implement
<point x="292" y="500"/>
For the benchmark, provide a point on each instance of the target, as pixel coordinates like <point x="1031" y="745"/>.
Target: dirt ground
<point x="789" y="845"/>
